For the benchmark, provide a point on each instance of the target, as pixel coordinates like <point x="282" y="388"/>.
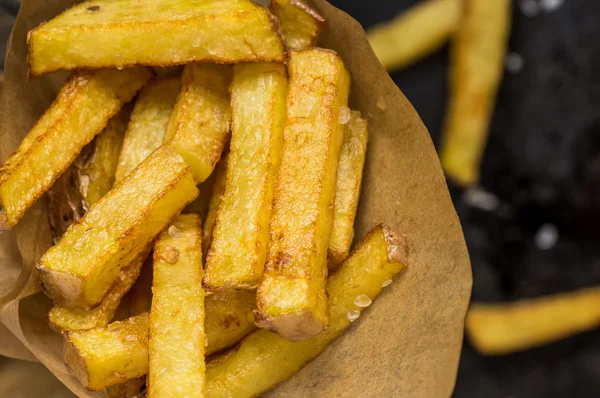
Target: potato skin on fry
<point x="300" y="23"/>
<point x="81" y="110"/>
<point x="264" y="359"/>
<point x="218" y="188"/>
<point x="291" y="296"/>
<point x="123" y="33"/>
<point x="81" y="268"/>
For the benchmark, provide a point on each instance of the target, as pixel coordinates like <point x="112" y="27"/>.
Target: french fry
<point x="265" y="359"/>
<point x="291" y="296"/>
<point x="82" y="109"/>
<point x="347" y="189"/>
<point x="133" y="388"/>
<point x="81" y="268"/>
<point x="236" y="257"/>
<point x="63" y="318"/>
<point x="199" y="126"/>
<point x="415" y="33"/>
<point x="141" y="292"/>
<point x="122" y="33"/>
<point x="218" y="188"/>
<point x="497" y="329"/>
<point x="148" y="124"/>
<point x="476" y="68"/>
<point x="177" y="338"/>
<point x="300" y="24"/>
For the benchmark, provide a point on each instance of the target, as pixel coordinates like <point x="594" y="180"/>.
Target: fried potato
<point x="300" y="24"/>
<point x="236" y="257"/>
<point x="102" y="357"/>
<point x="265" y="359"/>
<point x="347" y="189"/>
<point x="496" y="329"/>
<point x="81" y="268"/>
<point x="133" y="388"/>
<point x="121" y="33"/>
<point x="476" y="69"/>
<point x="199" y="126"/>
<point x="141" y="293"/>
<point x="415" y="33"/>
<point x="148" y="125"/>
<point x="63" y="318"/>
<point x="291" y="296"/>
<point x="82" y="109"/>
<point x="218" y="188"/>
<point x="177" y="338"/>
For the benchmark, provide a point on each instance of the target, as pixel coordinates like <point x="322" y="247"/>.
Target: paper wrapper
<point x="406" y="344"/>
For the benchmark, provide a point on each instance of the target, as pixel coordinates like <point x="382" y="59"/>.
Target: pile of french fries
<point x="168" y="98"/>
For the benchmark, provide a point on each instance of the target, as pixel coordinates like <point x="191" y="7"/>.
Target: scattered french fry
<point x="476" y="68"/>
<point x="291" y="297"/>
<point x="82" y="109"/>
<point x="141" y="292"/>
<point x="133" y="388"/>
<point x="347" y="189"/>
<point x="236" y="257"/>
<point x="496" y="329"/>
<point x="109" y="33"/>
<point x="264" y="359"/>
<point x="218" y="188"/>
<point x="199" y="126"/>
<point x="300" y="23"/>
<point x="148" y="124"/>
<point x="415" y="33"/>
<point x="81" y="268"/>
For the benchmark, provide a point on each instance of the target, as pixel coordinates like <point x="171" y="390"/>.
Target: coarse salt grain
<point x="362" y="301"/>
<point x="550" y="5"/>
<point x="529" y="8"/>
<point x="477" y="197"/>
<point x="514" y="62"/>
<point x="353" y="315"/>
<point x="205" y="341"/>
<point x="546" y="236"/>
<point x="344" y="115"/>
<point x="381" y="104"/>
<point x="386" y="283"/>
<point x="170" y="254"/>
<point x="173" y="231"/>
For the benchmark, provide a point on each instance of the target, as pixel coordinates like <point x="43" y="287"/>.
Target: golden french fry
<point x="415" y="33"/>
<point x="347" y="189"/>
<point x="291" y="296"/>
<point x="121" y="33"/>
<point x="82" y="109"/>
<point x="81" y="268"/>
<point x="300" y="24"/>
<point x="199" y="126"/>
<point x="218" y="188"/>
<point x="133" y="388"/>
<point x="148" y="124"/>
<point x="141" y="292"/>
<point x="496" y="329"/>
<point x="476" y="68"/>
<point x="236" y="256"/>
<point x="264" y="359"/>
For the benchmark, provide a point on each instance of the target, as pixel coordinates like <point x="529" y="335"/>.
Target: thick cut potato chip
<point x="218" y="188"/>
<point x="82" y="109"/>
<point x="121" y="33"/>
<point x="199" y="126"/>
<point x="133" y="388"/>
<point x="148" y="124"/>
<point x="300" y="24"/>
<point x="82" y="267"/>
<point x="236" y="257"/>
<point x="496" y="329"/>
<point x="291" y="296"/>
<point x="347" y="189"/>
<point x="476" y="68"/>
<point x="264" y="359"/>
<point x="140" y="296"/>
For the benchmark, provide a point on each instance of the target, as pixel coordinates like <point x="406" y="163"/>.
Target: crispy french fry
<point x="291" y="296"/>
<point x="218" y="188"/>
<point x="177" y="338"/>
<point x="81" y="268"/>
<point x="133" y="388"/>
<point x="265" y="359"/>
<point x="199" y="126"/>
<point x="141" y="292"/>
<point x="300" y="24"/>
<point x="496" y="329"/>
<point x="82" y="109"/>
<point x="64" y="319"/>
<point x="148" y="124"/>
<point x="121" y="33"/>
<point x="415" y="33"/>
<point x="476" y="67"/>
<point x="236" y="257"/>
<point x="347" y="189"/>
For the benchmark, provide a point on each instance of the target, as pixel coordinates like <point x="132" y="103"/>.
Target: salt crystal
<point x="173" y="231"/>
<point x="362" y="301"/>
<point x="546" y="236"/>
<point x="353" y="315"/>
<point x="481" y="199"/>
<point x="551" y="5"/>
<point x="529" y="7"/>
<point x="170" y="254"/>
<point x="386" y="283"/>
<point x="381" y="104"/>
<point x="344" y="115"/>
<point x="205" y="341"/>
<point x="514" y="62"/>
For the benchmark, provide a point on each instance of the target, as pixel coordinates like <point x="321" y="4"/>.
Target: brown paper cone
<point x="406" y="344"/>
